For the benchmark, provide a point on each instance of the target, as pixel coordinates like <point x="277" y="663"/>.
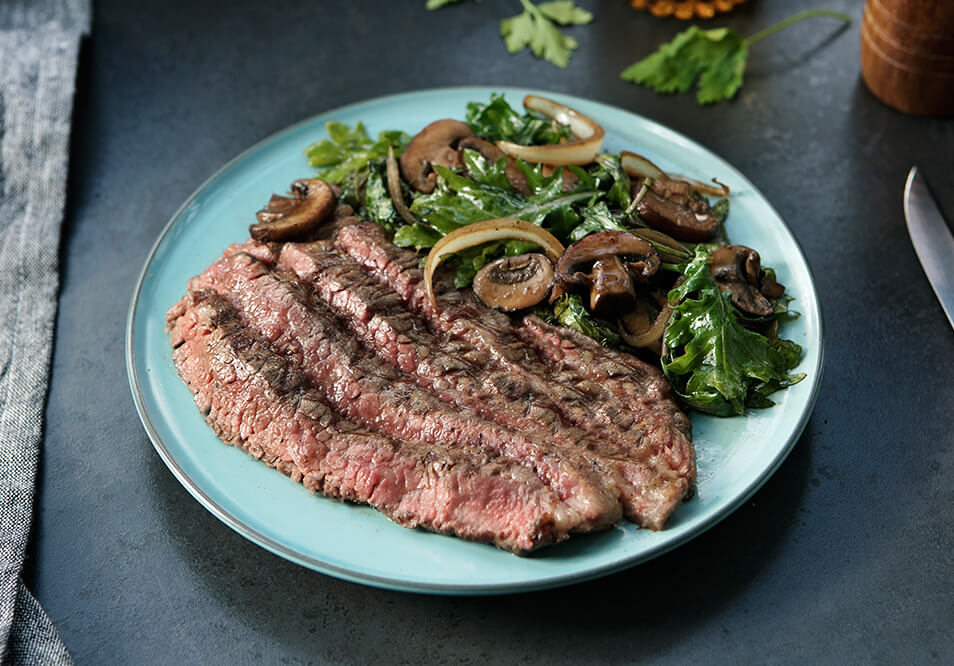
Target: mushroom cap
<point x="737" y="269"/>
<point x="669" y="207"/>
<point x="514" y="283"/>
<point x="285" y="218"/>
<point x="608" y="263"/>
<point x="575" y="264"/>
<point x="435" y="144"/>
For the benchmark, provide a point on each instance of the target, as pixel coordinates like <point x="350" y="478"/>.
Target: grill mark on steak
<point x="633" y="411"/>
<point x="625" y="376"/>
<point x="257" y="401"/>
<point x="376" y="395"/>
<point x="454" y="370"/>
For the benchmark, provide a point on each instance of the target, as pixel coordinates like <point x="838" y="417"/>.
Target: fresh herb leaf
<point x="437" y="4"/>
<point x="348" y="151"/>
<point x="498" y="121"/>
<point x="377" y="201"/>
<point x="609" y="170"/>
<point x="715" y="363"/>
<point x="596" y="218"/>
<point x="458" y="201"/>
<point x="569" y="311"/>
<point x="417" y="236"/>
<point x="481" y="170"/>
<point x="536" y="28"/>
<point x="716" y="59"/>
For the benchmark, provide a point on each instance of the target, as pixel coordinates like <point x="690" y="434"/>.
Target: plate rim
<point x="399" y="584"/>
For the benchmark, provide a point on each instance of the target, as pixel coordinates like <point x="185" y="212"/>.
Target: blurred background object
<point x="686" y="9"/>
<point x="907" y="54"/>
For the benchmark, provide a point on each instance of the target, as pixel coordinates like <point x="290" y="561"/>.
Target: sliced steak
<point x="635" y="412"/>
<point x="454" y="370"/>
<point x="376" y="395"/>
<point x="257" y="400"/>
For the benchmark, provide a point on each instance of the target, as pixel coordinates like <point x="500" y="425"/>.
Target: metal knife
<point x="932" y="239"/>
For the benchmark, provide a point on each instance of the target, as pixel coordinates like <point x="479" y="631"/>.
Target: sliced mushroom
<point x="669" y="207"/>
<point x="514" y="283"/>
<point x="612" y="288"/>
<point x="609" y="264"/>
<point x="492" y="154"/>
<point x="436" y="144"/>
<point x="471" y="235"/>
<point x="286" y="218"/>
<point x="737" y="269"/>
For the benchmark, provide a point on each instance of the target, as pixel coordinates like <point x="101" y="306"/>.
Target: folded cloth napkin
<point x="39" y="45"/>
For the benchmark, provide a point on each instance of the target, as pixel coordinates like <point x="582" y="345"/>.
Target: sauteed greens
<point x="719" y="358"/>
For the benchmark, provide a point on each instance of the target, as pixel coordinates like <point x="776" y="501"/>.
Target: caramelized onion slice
<point x="394" y="189"/>
<point x="505" y="228"/>
<point x="717" y="190"/>
<point x="588" y="136"/>
<point x="638" y="166"/>
<point x="638" y="331"/>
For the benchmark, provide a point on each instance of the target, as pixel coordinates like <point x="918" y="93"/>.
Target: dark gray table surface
<point x="845" y="555"/>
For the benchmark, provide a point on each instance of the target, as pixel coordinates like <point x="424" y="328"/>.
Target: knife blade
<point x="932" y="239"/>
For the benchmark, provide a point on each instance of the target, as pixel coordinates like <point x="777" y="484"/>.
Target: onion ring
<point x="505" y="228"/>
<point x="582" y="150"/>
<point x="638" y="166"/>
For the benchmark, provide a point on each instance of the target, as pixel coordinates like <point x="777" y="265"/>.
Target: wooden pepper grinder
<point x="907" y="54"/>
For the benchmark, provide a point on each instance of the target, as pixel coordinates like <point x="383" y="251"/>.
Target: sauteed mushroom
<point x="285" y="218"/>
<point x="737" y="268"/>
<point x="668" y="206"/>
<point x="607" y="263"/>
<point x="514" y="283"/>
<point x="435" y="144"/>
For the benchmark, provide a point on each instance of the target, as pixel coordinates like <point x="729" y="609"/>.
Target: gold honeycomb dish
<point x="685" y="9"/>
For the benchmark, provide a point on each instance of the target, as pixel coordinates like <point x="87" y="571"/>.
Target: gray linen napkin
<point x="39" y="44"/>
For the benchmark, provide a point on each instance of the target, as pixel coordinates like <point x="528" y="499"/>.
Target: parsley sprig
<point x="537" y="28"/>
<point x="715" y="58"/>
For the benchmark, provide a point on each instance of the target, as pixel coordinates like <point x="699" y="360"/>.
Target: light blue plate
<point x="735" y="456"/>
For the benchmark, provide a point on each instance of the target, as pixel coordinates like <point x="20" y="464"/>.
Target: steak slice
<point x="457" y="372"/>
<point x="623" y="375"/>
<point x="376" y="395"/>
<point x="636" y="412"/>
<point x="256" y="400"/>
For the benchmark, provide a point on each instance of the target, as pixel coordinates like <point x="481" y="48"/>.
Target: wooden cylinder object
<point x="907" y="54"/>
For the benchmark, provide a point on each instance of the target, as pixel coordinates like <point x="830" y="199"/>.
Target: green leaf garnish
<point x="536" y="28"/>
<point x="498" y="121"/>
<point x="596" y="218"/>
<point x="713" y="361"/>
<point x="714" y="59"/>
<point x="569" y="311"/>
<point x="348" y="151"/>
<point x="458" y="201"/>
<point x="417" y="236"/>
<point x="437" y="4"/>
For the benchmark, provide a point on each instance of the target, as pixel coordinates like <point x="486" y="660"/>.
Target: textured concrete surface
<point x="845" y="555"/>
